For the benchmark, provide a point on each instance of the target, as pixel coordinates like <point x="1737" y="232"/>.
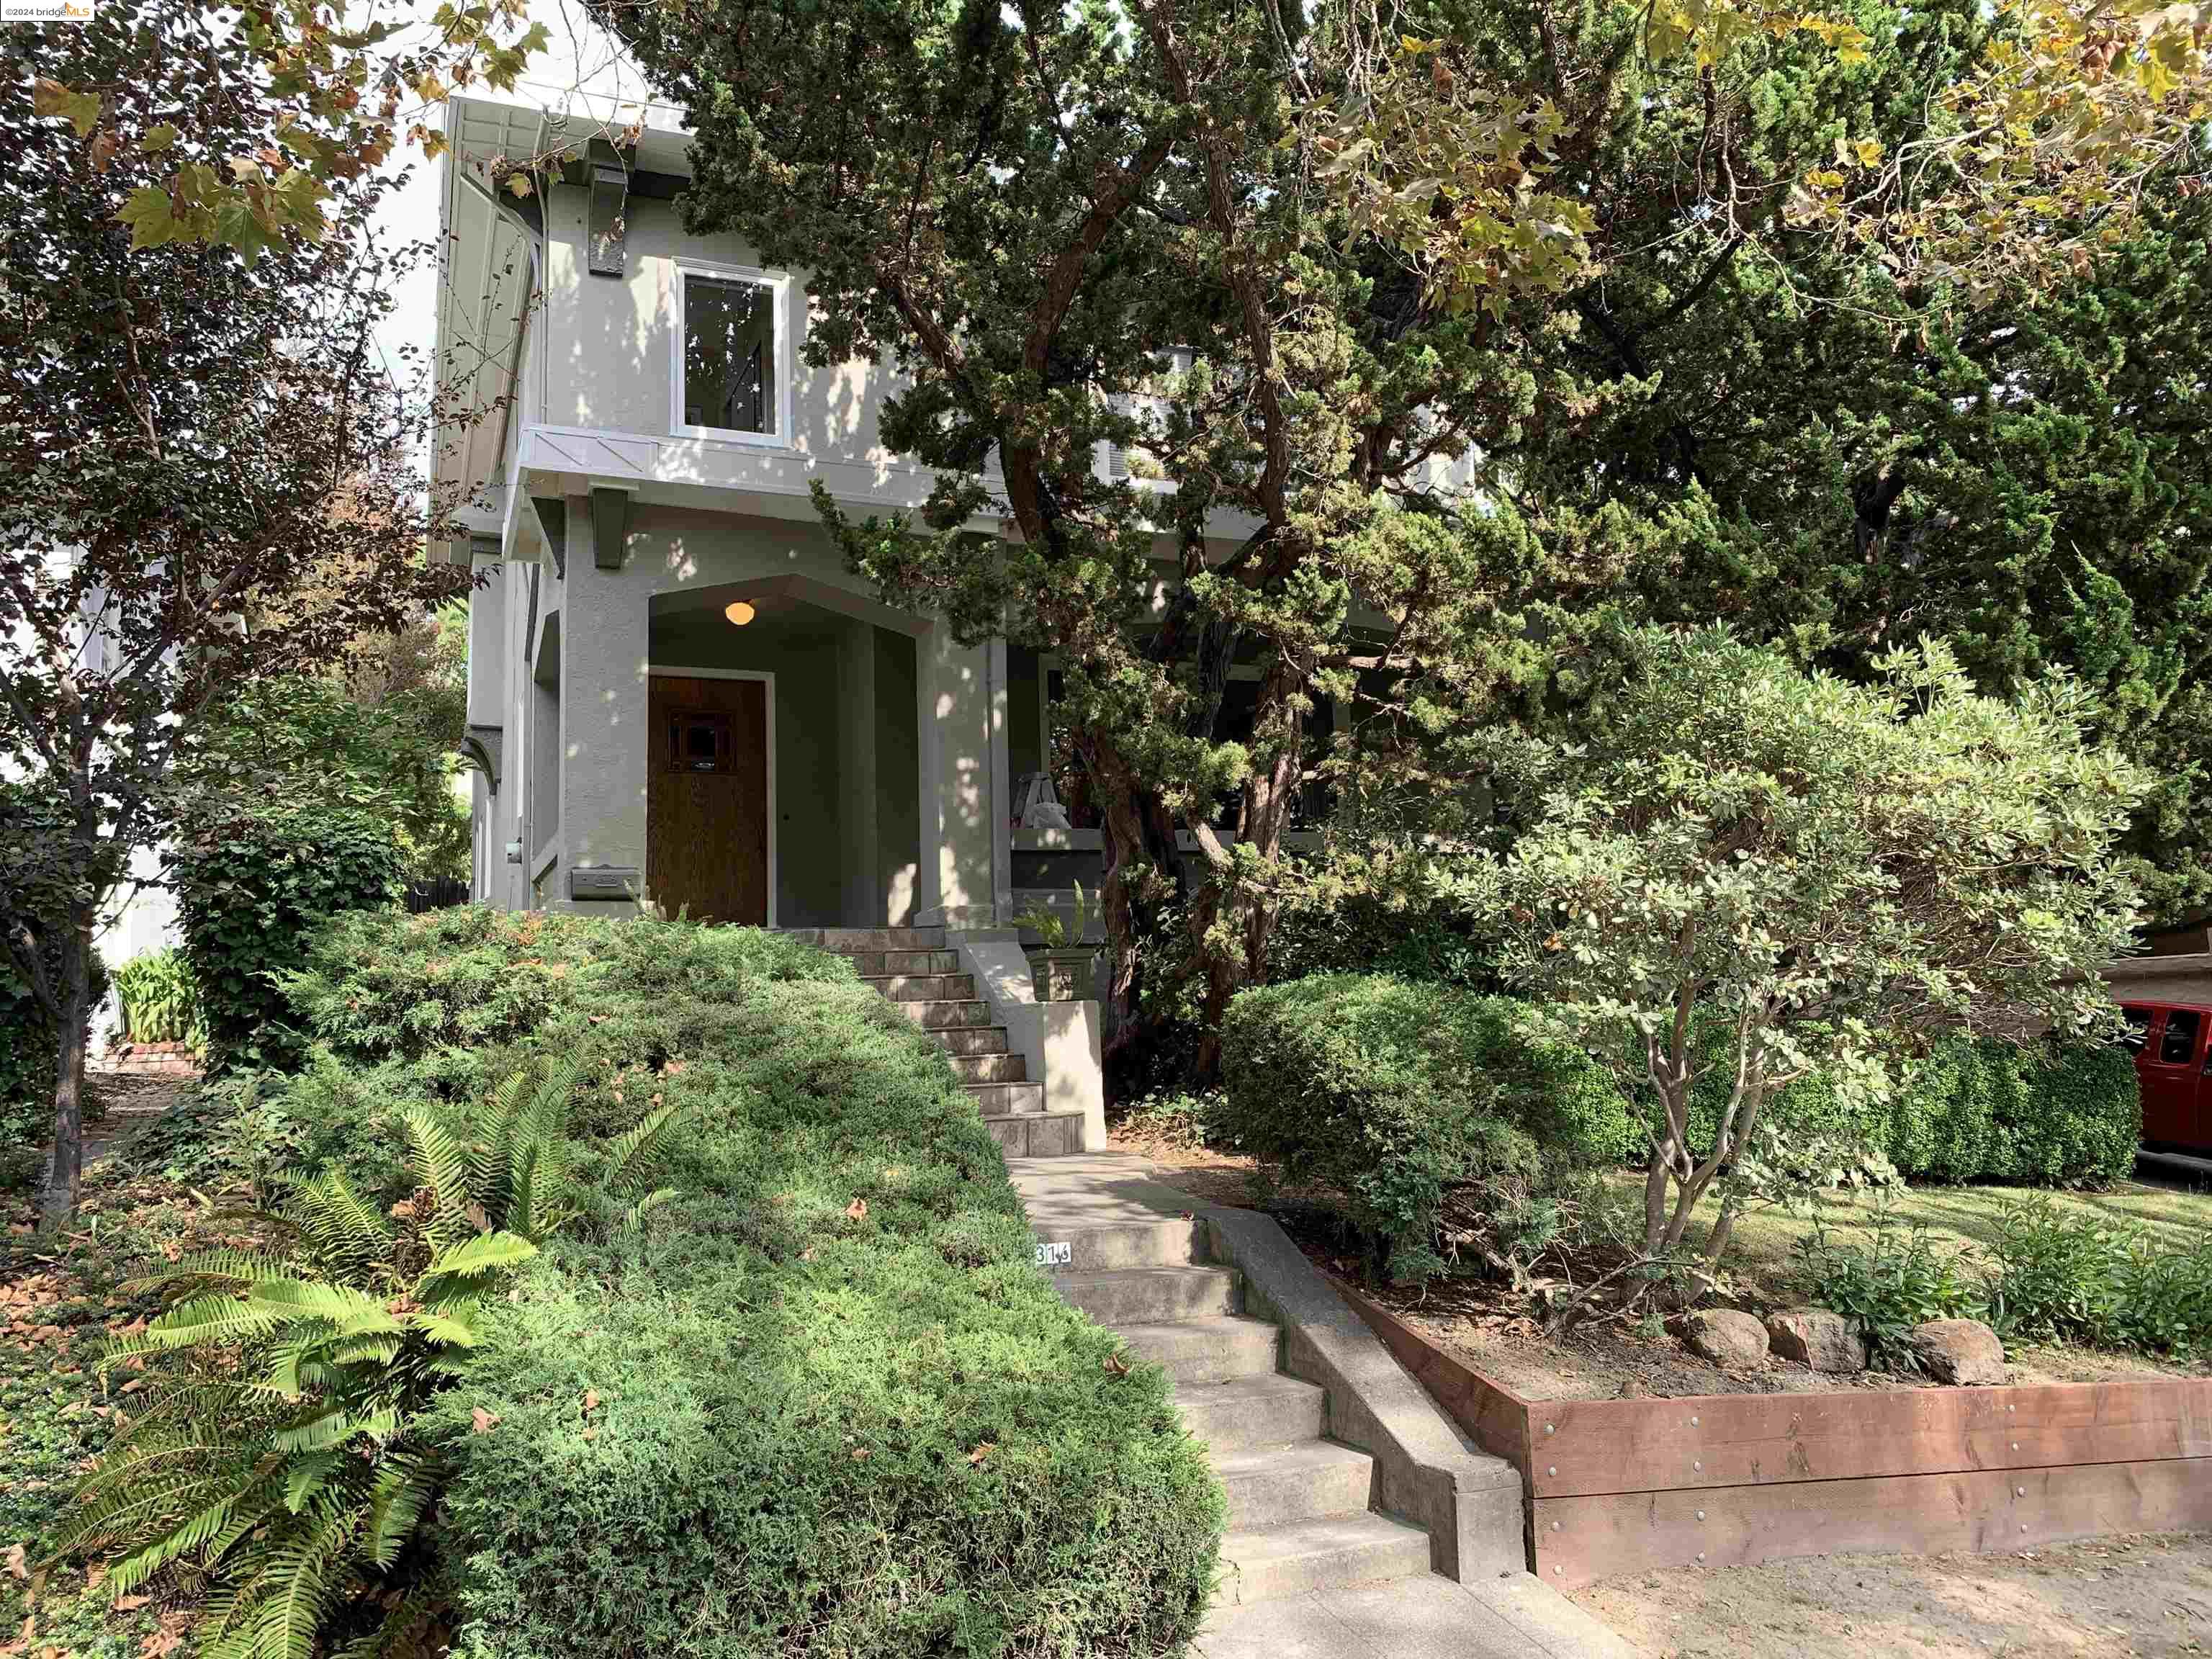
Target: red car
<point x="2171" y="1065"/>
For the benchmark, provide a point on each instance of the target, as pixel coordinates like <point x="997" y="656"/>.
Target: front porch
<point x="726" y="722"/>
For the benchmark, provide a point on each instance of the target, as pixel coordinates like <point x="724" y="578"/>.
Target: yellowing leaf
<point x="158" y="139"/>
<point x="152" y="221"/>
<point x="80" y="109"/>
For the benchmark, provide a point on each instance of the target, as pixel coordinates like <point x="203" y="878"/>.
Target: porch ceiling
<point x="786" y="594"/>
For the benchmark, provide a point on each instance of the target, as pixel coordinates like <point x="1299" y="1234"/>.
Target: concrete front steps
<point x="915" y="970"/>
<point x="1299" y="1515"/>
<point x="1310" y="1567"/>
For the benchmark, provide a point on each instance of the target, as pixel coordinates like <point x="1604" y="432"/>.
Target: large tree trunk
<point x="1140" y="852"/>
<point x="1264" y="811"/>
<point x="73" y="988"/>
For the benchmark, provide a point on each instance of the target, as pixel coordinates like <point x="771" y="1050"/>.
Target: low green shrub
<point x="2080" y="1278"/>
<point x="250" y="887"/>
<point x="159" y="1000"/>
<point x="1428" y="943"/>
<point x="822" y="1401"/>
<point x="2035" y="1114"/>
<point x="281" y="1462"/>
<point x="1175" y="1117"/>
<point x="1901" y="1279"/>
<point x="1400" y="1094"/>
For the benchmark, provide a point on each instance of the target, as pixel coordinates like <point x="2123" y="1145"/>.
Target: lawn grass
<point x="1765" y="1239"/>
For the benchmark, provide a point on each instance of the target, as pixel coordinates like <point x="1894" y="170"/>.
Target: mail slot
<point x="604" y="881"/>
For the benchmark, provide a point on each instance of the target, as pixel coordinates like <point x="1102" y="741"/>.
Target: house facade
<point x="675" y="687"/>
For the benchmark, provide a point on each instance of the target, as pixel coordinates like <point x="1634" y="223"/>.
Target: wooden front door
<point x="706" y="798"/>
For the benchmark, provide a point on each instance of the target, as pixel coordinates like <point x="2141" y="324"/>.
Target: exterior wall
<point x="2172" y="978"/>
<point x="611" y="342"/>
<point x="899" y="756"/>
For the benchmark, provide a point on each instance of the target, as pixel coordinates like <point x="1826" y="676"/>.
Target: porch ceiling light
<point x="739" y="612"/>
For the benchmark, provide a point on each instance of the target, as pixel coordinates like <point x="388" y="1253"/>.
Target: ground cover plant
<point x="62" y="1298"/>
<point x="820" y="1399"/>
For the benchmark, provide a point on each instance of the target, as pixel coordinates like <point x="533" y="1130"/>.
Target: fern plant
<point x="278" y="1471"/>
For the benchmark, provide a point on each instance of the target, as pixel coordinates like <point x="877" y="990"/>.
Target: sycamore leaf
<point x="158" y="139"/>
<point x="80" y="109"/>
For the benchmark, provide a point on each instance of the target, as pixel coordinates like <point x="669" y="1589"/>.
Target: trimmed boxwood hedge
<point x="823" y="1401"/>
<point x="1395" y="1091"/>
<point x="2043" y="1115"/>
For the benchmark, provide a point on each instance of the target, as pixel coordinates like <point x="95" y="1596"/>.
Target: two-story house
<point x="675" y="686"/>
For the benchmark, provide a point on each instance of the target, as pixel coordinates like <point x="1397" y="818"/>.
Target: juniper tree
<point x="1383" y="241"/>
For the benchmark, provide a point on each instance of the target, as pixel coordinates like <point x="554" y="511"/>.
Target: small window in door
<point x="2178" y="1047"/>
<point x="2138" y="1021"/>
<point x="698" y="740"/>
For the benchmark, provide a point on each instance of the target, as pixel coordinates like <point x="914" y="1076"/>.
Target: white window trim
<point x="779" y="285"/>
<point x="677" y="671"/>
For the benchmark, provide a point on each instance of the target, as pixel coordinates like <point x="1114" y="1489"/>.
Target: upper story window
<point x="732" y="358"/>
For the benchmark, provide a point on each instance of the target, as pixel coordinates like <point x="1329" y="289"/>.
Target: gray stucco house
<point x="673" y="683"/>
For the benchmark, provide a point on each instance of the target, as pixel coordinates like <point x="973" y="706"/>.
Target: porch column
<point x="605" y="644"/>
<point x="861" y="901"/>
<point x="961" y="705"/>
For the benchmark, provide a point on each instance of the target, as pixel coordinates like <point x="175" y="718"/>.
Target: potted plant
<point x="1059" y="965"/>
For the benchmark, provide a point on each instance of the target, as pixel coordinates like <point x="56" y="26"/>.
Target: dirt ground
<point x="1492" y="1330"/>
<point x="2141" y="1597"/>
<point x="130" y="1101"/>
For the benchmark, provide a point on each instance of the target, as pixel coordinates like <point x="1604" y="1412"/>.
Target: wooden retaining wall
<point x="1619" y="1486"/>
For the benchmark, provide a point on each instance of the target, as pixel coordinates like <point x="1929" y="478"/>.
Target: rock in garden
<point x="1734" y="1341"/>
<point x="1817" y="1338"/>
<point x="1959" y="1351"/>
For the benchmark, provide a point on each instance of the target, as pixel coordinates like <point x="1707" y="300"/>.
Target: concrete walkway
<point x="1313" y="1566"/>
<point x="1425" y="1618"/>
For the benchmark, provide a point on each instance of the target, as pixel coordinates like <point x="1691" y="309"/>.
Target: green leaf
<point x="158" y="139"/>
<point x="483" y="1253"/>
<point x="149" y="214"/>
